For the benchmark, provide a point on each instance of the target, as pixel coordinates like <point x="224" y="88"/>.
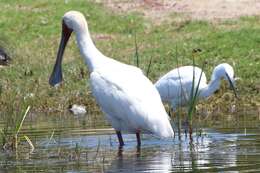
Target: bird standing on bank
<point x="128" y="99"/>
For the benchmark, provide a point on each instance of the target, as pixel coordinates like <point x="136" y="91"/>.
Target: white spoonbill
<point x="128" y="99"/>
<point x="175" y="87"/>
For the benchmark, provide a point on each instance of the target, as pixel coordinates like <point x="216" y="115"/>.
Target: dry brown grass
<point x="160" y="10"/>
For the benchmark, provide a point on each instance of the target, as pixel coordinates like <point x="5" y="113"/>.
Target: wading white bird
<point x="128" y="99"/>
<point x="175" y="87"/>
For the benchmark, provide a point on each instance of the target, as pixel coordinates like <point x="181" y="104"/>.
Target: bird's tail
<point x="163" y="129"/>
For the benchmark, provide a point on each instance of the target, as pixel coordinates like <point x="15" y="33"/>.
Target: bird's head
<point x="75" y="21"/>
<point x="71" y="21"/>
<point x="227" y="72"/>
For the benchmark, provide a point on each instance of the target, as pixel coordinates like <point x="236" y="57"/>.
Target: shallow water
<point x="81" y="144"/>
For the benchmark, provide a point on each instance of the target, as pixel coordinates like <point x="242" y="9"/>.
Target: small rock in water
<point x="77" y="109"/>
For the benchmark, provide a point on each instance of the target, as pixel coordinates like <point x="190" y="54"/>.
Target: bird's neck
<point x="213" y="86"/>
<point x="92" y="56"/>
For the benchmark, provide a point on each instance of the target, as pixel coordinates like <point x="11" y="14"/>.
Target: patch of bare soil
<point x="160" y="10"/>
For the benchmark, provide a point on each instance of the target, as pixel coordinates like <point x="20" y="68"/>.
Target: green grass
<point x="30" y="32"/>
<point x="10" y="134"/>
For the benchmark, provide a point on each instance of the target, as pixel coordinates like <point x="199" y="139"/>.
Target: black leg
<point x="120" y="139"/>
<point x="138" y="151"/>
<point x="138" y="139"/>
<point x="120" y="151"/>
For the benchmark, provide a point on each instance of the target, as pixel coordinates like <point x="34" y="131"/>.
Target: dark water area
<point x="66" y="143"/>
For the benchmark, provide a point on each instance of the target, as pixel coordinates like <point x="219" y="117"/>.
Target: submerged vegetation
<point x="30" y="31"/>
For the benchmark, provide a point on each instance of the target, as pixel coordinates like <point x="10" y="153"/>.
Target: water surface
<point x="65" y="143"/>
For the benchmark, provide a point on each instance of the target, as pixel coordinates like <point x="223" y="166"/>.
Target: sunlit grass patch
<point x="31" y="33"/>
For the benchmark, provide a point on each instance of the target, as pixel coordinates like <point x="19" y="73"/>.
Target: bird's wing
<point x="171" y="85"/>
<point x="130" y="101"/>
<point x="177" y="83"/>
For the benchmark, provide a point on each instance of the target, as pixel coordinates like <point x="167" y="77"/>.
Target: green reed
<point x="193" y="95"/>
<point x="11" y="136"/>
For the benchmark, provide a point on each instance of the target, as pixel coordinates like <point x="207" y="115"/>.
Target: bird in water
<point x="175" y="87"/>
<point x="126" y="96"/>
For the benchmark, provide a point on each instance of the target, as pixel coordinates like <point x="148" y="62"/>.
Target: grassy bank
<point x="30" y="32"/>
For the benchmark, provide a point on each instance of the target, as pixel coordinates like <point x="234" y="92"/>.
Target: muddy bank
<point x="160" y="10"/>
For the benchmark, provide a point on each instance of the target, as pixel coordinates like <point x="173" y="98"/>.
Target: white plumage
<point x="128" y="99"/>
<point x="175" y="87"/>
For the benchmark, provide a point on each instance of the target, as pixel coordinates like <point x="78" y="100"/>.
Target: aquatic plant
<point x="193" y="95"/>
<point x="191" y="99"/>
<point x="149" y="67"/>
<point x="178" y="110"/>
<point x="11" y="133"/>
<point x="136" y="55"/>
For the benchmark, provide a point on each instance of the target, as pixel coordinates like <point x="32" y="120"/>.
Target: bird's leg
<point x="138" y="139"/>
<point x="120" y="139"/>
<point x="138" y="151"/>
<point x="120" y="152"/>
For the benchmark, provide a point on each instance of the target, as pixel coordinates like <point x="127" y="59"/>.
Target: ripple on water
<point x="83" y="148"/>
